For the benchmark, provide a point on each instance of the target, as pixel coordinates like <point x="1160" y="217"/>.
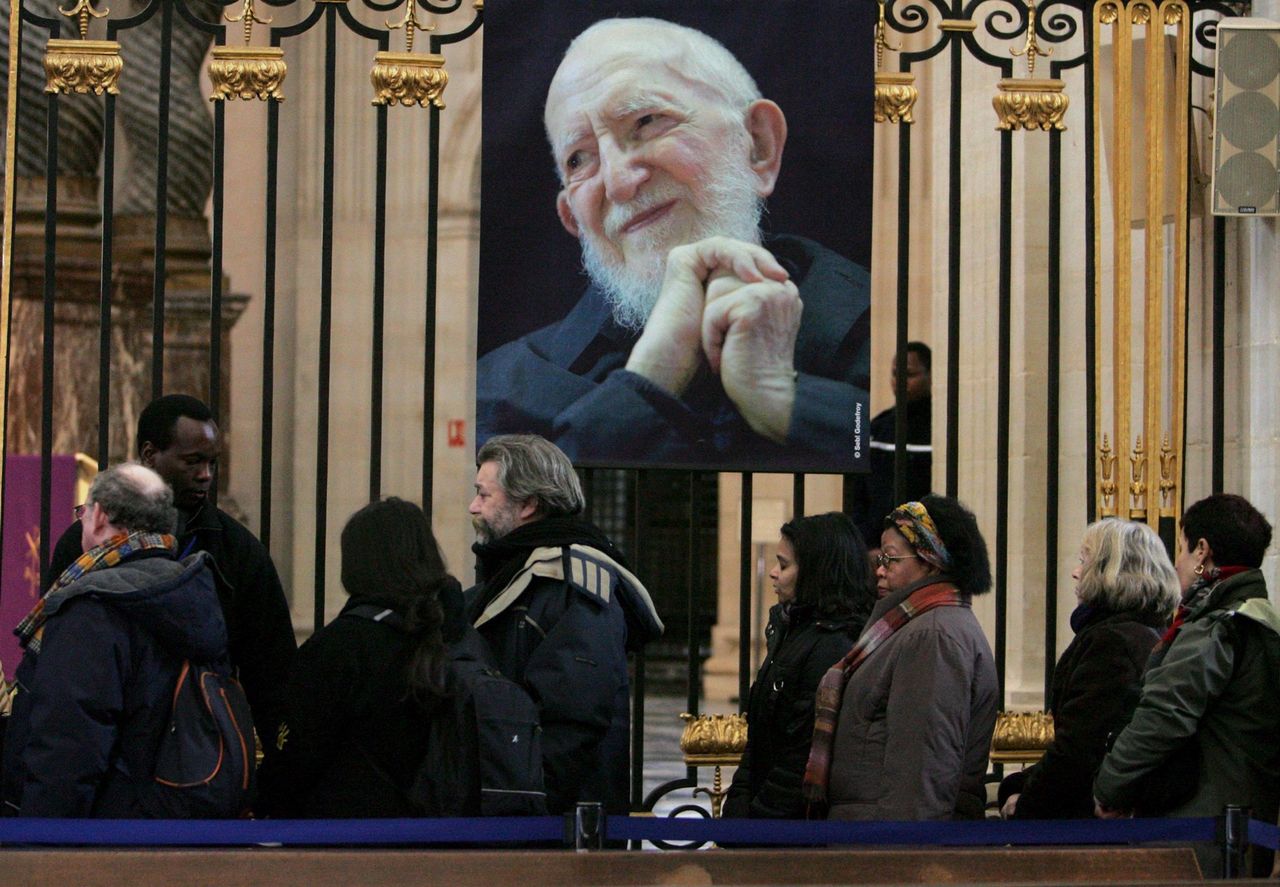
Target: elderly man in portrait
<point x="699" y="341"/>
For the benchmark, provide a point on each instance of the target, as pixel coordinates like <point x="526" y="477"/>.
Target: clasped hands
<point x="729" y="305"/>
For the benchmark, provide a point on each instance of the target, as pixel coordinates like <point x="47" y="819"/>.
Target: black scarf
<point x="498" y="561"/>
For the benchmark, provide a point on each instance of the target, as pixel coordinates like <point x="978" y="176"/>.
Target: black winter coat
<point x="92" y="704"/>
<point x="259" y="628"/>
<point x="1095" y="685"/>
<point x="352" y="736"/>
<point x="780" y="712"/>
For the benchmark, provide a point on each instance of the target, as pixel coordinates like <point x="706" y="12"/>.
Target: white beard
<point x="730" y="208"/>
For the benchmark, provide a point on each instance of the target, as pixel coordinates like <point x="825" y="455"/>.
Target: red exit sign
<point x="457" y="432"/>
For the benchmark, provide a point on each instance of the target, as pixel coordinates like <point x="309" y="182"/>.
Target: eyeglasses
<point x="885" y="560"/>
<point x="79" y="510"/>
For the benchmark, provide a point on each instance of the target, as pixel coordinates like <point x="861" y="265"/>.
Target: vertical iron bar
<point x="215" y="289"/>
<point x="269" y="318"/>
<point x="691" y="611"/>
<point x="104" y="277"/>
<point x="904" y="291"/>
<point x="1090" y="282"/>
<point x="744" y="594"/>
<point x="50" y="291"/>
<point x="379" y="299"/>
<point x="1002" y="408"/>
<point x="326" y="309"/>
<point x="429" y="349"/>
<point x="954" y="173"/>
<point x="637" y="708"/>
<point x="797" y="495"/>
<point x="1219" y="351"/>
<point x="1054" y="349"/>
<point x="162" y="202"/>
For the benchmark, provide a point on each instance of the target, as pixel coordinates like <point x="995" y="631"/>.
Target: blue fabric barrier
<point x="507" y="830"/>
<point x="984" y="833"/>
<point x="286" y="832"/>
<point x="1264" y="834"/>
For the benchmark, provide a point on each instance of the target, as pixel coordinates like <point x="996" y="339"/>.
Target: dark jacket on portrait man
<point x="560" y="610"/>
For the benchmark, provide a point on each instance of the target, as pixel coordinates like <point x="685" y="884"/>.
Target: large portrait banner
<point x="676" y="231"/>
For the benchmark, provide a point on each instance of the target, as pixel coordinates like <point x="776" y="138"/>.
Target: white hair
<point x="1125" y="567"/>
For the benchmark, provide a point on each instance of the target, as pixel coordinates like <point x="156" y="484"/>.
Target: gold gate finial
<point x="1031" y="48"/>
<point x="83" y="65"/>
<point x="410" y="24"/>
<point x="1107" y="485"/>
<point x="896" y="94"/>
<point x="1138" y="487"/>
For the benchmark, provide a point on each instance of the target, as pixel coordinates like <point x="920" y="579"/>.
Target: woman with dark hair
<point x="904" y="721"/>
<point x="363" y="688"/>
<point x="1127" y="590"/>
<point x="1213" y="680"/>
<point x="824" y="590"/>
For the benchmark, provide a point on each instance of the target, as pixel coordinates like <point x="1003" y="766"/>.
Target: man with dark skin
<point x="871" y="495"/>
<point x="179" y="440"/>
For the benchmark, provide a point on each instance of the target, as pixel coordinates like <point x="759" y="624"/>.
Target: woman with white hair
<point x="1127" y="589"/>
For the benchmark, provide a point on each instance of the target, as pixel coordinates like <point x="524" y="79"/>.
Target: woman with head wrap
<point x="904" y="721"/>
<point x="1127" y="590"/>
<point x="825" y="593"/>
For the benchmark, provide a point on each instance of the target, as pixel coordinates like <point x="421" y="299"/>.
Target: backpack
<point x="483" y="752"/>
<point x="205" y="760"/>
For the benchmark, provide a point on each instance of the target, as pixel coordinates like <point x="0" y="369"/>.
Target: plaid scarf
<point x="831" y="687"/>
<point x="31" y="629"/>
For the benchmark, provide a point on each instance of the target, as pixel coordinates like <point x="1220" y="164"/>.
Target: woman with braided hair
<point x="903" y="724"/>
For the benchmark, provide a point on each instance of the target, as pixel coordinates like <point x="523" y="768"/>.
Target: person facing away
<point x="698" y="340"/>
<point x="823" y="581"/>
<point x="364" y="688"/>
<point x="1127" y="590"/>
<point x="1213" y="681"/>
<point x="872" y="493"/>
<point x="103" y="649"/>
<point x="903" y="723"/>
<point x="560" y="610"/>
<point x="179" y="440"/>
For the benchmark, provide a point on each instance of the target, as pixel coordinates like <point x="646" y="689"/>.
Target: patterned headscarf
<point x="913" y="522"/>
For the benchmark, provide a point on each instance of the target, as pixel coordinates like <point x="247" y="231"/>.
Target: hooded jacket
<point x="1217" y="683"/>
<point x="560" y="610"/>
<point x="92" y="704"/>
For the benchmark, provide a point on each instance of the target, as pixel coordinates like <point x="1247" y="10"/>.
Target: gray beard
<point x="731" y="209"/>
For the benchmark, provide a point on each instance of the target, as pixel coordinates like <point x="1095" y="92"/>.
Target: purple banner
<point x="20" y="585"/>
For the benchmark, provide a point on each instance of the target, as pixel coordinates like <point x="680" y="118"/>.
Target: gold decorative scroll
<point x="83" y="66"/>
<point x="1021" y="736"/>
<point x="1149" y="157"/>
<point x="409" y="79"/>
<point x="247" y="72"/>
<point x="1030" y="104"/>
<point x="710" y="739"/>
<point x="896" y="95"/>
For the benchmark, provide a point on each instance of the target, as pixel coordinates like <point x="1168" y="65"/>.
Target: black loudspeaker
<point x="1246" y="118"/>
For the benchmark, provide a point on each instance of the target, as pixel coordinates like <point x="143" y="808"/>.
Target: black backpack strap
<point x="375" y="613"/>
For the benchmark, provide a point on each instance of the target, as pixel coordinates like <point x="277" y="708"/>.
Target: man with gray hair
<point x="699" y="341"/>
<point x="560" y="610"/>
<point x="103" y="649"/>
